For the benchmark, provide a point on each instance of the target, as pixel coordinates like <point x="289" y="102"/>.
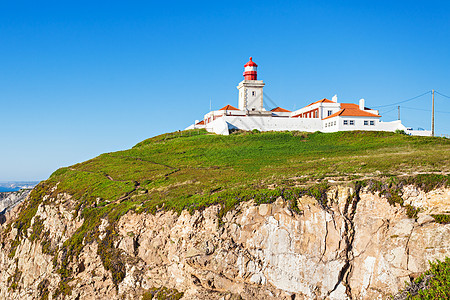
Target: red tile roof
<point x="349" y="105"/>
<point x="202" y="122"/>
<point x="324" y="100"/>
<point x="352" y="112"/>
<point x="228" y="107"/>
<point x="352" y="105"/>
<point x="279" y="109"/>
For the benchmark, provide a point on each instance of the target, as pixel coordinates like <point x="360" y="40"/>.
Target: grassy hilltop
<point x="194" y="169"/>
<point x="185" y="169"/>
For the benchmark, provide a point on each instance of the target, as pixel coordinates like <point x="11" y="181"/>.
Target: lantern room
<point x="250" y="72"/>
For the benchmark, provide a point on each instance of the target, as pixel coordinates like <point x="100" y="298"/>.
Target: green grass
<point x="179" y="170"/>
<point x="442" y="218"/>
<point x="193" y="169"/>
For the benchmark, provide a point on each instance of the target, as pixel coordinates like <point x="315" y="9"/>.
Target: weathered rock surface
<point x="8" y="200"/>
<point x="358" y="247"/>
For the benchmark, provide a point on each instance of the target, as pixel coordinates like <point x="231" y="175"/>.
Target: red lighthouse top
<point x="250" y="63"/>
<point x="250" y="72"/>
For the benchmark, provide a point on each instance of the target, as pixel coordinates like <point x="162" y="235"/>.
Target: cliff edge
<point x="262" y="216"/>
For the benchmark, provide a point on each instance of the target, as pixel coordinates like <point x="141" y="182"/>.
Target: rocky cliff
<point x="8" y="200"/>
<point x="354" y="245"/>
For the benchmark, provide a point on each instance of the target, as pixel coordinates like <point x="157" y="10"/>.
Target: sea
<point x="4" y="189"/>
<point x="12" y="186"/>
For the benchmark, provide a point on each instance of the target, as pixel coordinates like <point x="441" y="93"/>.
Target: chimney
<point x="361" y="104"/>
<point x="334" y="99"/>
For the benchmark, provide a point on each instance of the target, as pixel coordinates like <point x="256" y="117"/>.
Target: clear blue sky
<point x="80" y="78"/>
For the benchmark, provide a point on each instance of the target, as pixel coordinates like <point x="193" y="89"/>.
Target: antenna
<point x="432" y="113"/>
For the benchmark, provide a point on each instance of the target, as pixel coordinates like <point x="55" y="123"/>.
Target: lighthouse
<point x="250" y="72"/>
<point x="251" y="90"/>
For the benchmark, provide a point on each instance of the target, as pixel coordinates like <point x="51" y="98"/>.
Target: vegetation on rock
<point x="13" y="280"/>
<point x="392" y="189"/>
<point x="433" y="284"/>
<point x="162" y="293"/>
<point x="441" y="218"/>
<point x="43" y="289"/>
<point x="193" y="170"/>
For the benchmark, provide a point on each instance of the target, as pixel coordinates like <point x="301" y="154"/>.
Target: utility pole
<point x="432" y="114"/>
<point x="398" y="107"/>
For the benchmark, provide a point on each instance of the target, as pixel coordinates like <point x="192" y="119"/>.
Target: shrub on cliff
<point x="433" y="284"/>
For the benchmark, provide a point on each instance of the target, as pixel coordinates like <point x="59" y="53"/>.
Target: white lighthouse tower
<point x="251" y="90"/>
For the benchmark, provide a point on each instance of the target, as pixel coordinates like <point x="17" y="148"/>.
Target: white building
<point x="323" y="115"/>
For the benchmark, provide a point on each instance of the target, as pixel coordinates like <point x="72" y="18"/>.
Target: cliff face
<point x="358" y="246"/>
<point x="10" y="199"/>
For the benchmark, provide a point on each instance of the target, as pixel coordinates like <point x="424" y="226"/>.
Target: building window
<point x="326" y="125"/>
<point x="315" y="114"/>
<point x="372" y="122"/>
<point x="334" y="123"/>
<point x="253" y="93"/>
<point x="366" y="122"/>
<point x="345" y="122"/>
<point x="352" y="122"/>
<point x="330" y="112"/>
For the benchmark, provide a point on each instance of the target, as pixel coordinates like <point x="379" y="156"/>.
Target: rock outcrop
<point x="8" y="200"/>
<point x="358" y="246"/>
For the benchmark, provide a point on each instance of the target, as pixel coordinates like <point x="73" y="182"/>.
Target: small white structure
<point x="251" y="89"/>
<point x="345" y="116"/>
<point x="323" y="115"/>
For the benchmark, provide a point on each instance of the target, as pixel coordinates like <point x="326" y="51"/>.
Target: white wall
<point x="332" y="125"/>
<point x="218" y="126"/>
<point x="241" y="101"/>
<point x="223" y="124"/>
<point x="281" y="113"/>
<point x="254" y="99"/>
<point x="334" y="107"/>
<point x="391" y="126"/>
<point x="263" y="124"/>
<point x="251" y="95"/>
<point x="419" y="132"/>
<point x="358" y="123"/>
